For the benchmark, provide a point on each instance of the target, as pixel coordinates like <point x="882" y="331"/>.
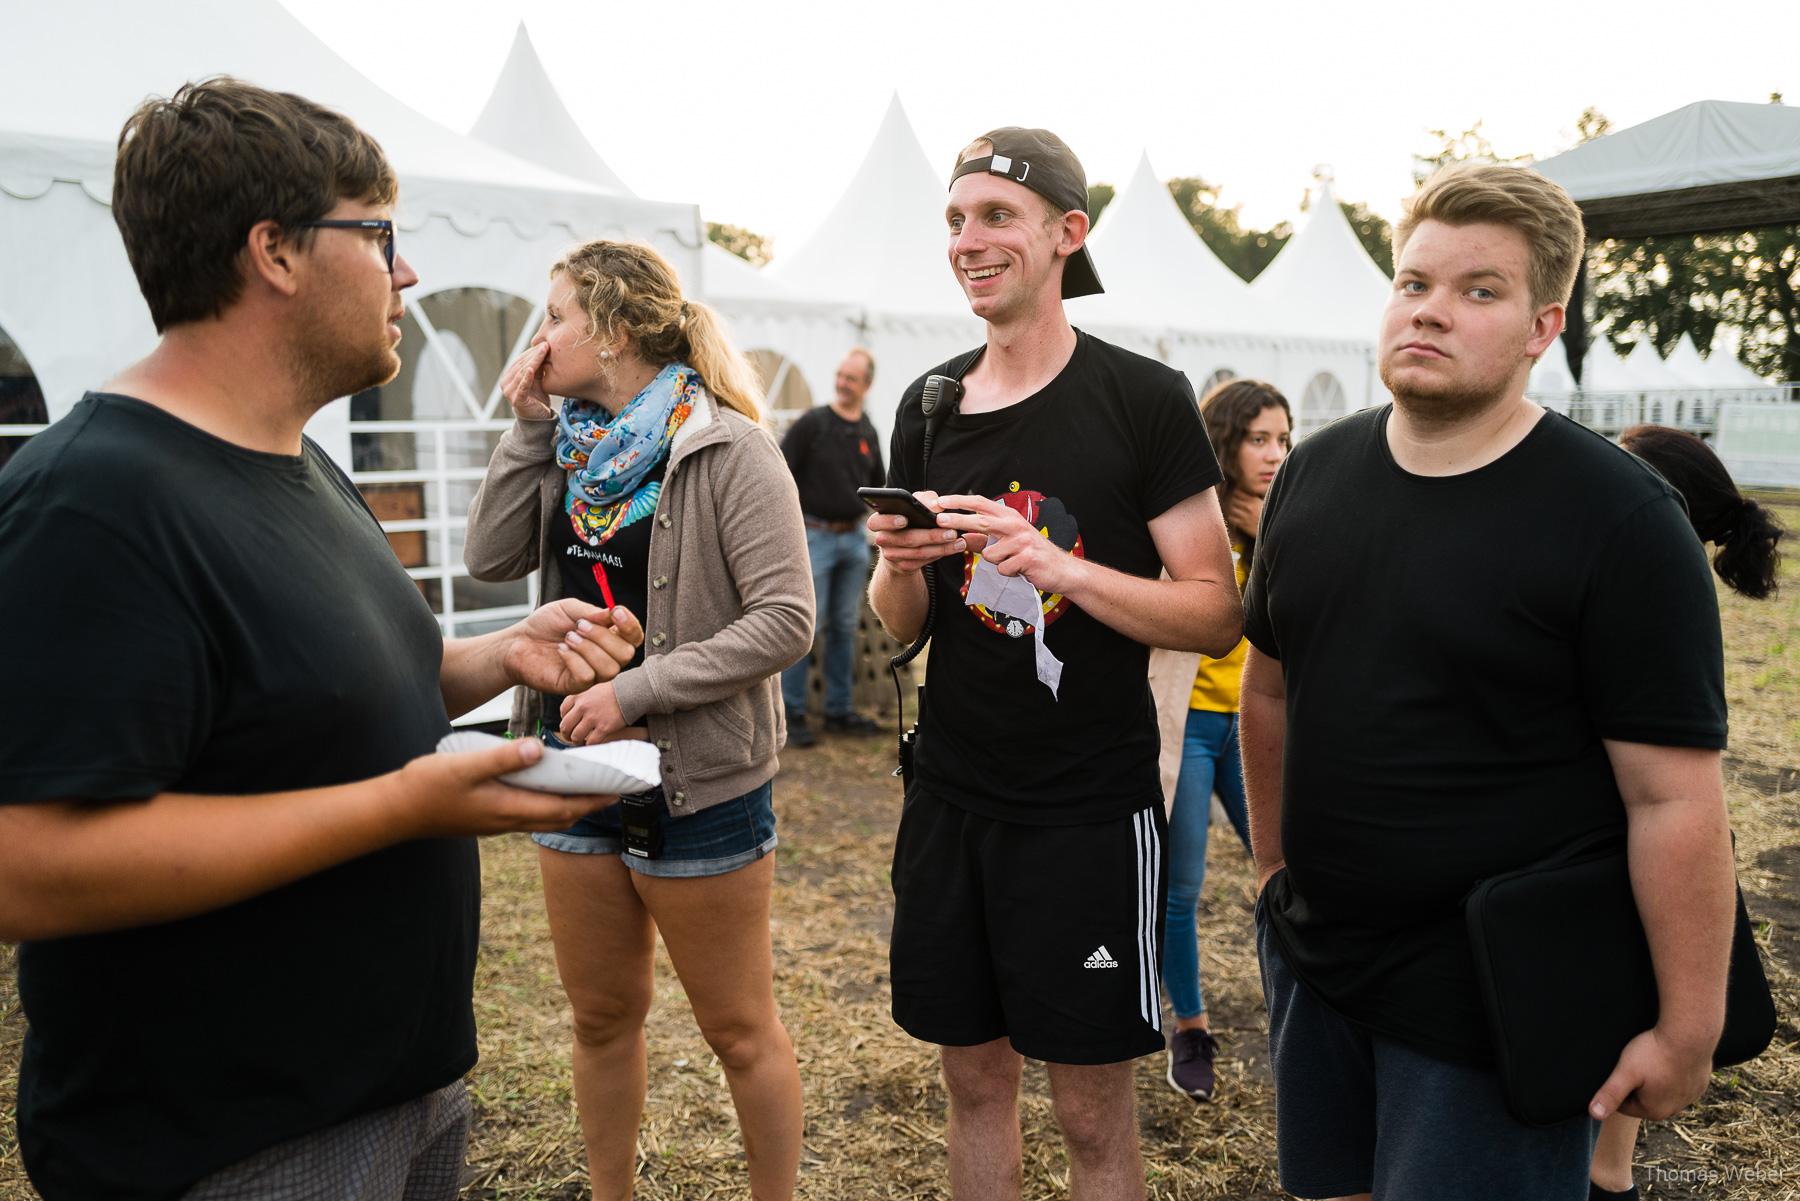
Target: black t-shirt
<point x="617" y="571"/>
<point x="831" y="458"/>
<point x="182" y="614"/>
<point x="1454" y="650"/>
<point x="1112" y="442"/>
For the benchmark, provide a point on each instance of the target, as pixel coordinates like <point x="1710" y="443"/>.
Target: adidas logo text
<point x="1100" y="958"/>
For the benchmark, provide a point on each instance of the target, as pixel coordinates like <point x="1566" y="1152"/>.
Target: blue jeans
<point x="1209" y="763"/>
<point x="1357" y="1112"/>
<point x="840" y="571"/>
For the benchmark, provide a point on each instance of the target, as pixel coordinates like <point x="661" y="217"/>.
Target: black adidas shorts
<point x="1048" y="936"/>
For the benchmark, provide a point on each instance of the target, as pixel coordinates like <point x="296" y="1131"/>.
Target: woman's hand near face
<point x="522" y="385"/>
<point x="1243" y="510"/>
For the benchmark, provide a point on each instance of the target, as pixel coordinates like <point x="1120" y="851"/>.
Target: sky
<point x="760" y="111"/>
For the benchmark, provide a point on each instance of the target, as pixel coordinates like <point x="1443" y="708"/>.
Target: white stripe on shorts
<point x="1149" y="855"/>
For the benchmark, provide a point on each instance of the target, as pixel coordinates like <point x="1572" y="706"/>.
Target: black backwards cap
<point x="1044" y="163"/>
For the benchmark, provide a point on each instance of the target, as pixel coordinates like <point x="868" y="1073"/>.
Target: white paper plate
<point x="611" y="767"/>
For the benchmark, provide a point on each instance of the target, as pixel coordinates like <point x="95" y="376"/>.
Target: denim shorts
<point x="720" y="838"/>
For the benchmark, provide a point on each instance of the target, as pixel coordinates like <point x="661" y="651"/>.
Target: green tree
<point x="1245" y="251"/>
<point x="1373" y="231"/>
<point x="1469" y="145"/>
<point x="753" y="248"/>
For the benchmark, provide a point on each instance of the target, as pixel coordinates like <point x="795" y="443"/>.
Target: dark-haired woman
<point x="1248" y="423"/>
<point x="651" y="486"/>
<point x="1748" y="559"/>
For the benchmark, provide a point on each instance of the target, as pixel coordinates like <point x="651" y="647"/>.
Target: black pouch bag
<point x="1566" y="979"/>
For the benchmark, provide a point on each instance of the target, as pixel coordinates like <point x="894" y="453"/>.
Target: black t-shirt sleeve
<point x="1651" y="653"/>
<point x="95" y="630"/>
<point x="1178" y="461"/>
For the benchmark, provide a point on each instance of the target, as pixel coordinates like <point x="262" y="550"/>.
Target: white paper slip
<point x="611" y="767"/>
<point x="1014" y="596"/>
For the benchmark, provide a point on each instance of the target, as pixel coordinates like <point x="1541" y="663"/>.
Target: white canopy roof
<point x="1157" y="272"/>
<point x="1649" y="366"/>
<point x="1707" y="142"/>
<point x="526" y="116"/>
<point x="1738" y="165"/>
<point x="882" y="246"/>
<point x="1322" y="281"/>
<point x="72" y="71"/>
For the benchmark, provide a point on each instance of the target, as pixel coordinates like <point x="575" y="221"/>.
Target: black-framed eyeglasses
<point x="385" y="226"/>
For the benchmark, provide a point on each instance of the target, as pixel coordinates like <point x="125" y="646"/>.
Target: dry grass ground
<point x="875" y="1107"/>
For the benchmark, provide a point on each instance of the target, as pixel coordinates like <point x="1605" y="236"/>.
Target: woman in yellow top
<point x="1248" y="423"/>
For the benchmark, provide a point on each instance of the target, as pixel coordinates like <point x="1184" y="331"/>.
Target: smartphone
<point x="901" y="502"/>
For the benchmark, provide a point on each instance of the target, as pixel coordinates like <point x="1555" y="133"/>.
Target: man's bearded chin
<point x="1443" y="401"/>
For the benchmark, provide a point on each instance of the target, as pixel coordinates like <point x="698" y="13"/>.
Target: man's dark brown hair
<point x="197" y="170"/>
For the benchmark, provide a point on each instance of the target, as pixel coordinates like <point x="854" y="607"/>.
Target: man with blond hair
<point x="1479" y="634"/>
<point x="1028" y="874"/>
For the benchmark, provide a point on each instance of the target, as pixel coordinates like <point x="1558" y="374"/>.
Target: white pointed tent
<point x="1168" y="295"/>
<point x="1726" y="370"/>
<point x="785" y="330"/>
<point x="470" y="215"/>
<point x="526" y="115"/>
<point x="1322" y="282"/>
<point x="1157" y="272"/>
<point x="881" y="250"/>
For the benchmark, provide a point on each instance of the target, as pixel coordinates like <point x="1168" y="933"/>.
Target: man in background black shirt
<point x="246" y="890"/>
<point x="1479" y="634"/>
<point x="833" y="450"/>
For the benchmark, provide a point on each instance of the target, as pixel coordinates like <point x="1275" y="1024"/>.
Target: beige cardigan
<point x="730" y="595"/>
<point x="1172" y="685"/>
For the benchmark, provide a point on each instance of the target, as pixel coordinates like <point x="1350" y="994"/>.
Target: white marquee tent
<point x="881" y="252"/>
<point x="481" y="227"/>
<point x="470" y="215"/>
<point x="796" y="339"/>
<point x="1322" y="282"/>
<point x="1169" y="296"/>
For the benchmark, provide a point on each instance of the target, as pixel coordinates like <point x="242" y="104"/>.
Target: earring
<point x="605" y="355"/>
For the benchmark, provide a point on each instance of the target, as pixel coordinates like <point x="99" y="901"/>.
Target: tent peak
<point x="526" y="115"/>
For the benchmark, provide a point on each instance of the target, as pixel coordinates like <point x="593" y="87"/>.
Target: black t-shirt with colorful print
<point x="1114" y="441"/>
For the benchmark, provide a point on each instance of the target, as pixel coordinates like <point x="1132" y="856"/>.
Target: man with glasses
<point x="246" y="891"/>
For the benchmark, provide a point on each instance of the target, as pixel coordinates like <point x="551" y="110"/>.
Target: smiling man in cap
<point x="1028" y="872"/>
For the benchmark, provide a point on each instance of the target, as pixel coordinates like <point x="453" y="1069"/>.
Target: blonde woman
<point x="648" y="485"/>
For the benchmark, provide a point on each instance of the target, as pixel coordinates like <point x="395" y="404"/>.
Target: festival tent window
<point x="420" y="444"/>
<point x="1322" y="402"/>
<point x="784" y="387"/>
<point x="1220" y="375"/>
